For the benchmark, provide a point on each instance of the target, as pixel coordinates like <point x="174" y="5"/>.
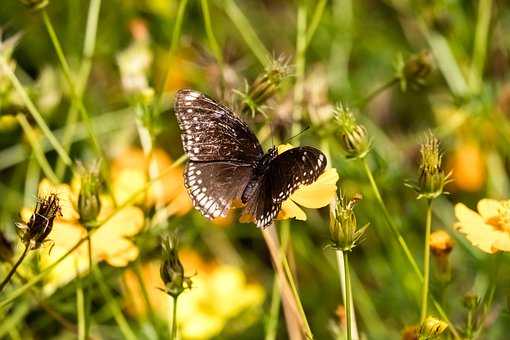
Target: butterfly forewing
<point x="212" y="132"/>
<point x="285" y="174"/>
<point x="213" y="186"/>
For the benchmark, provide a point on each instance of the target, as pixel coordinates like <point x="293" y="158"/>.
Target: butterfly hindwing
<point x="212" y="132"/>
<point x="285" y="174"/>
<point x="213" y="186"/>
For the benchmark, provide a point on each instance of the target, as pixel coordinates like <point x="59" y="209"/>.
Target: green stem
<point x="173" y="318"/>
<point x="348" y="295"/>
<point x="89" y="295"/>
<point x="34" y="112"/>
<point x="404" y="246"/>
<point x="80" y="308"/>
<point x="274" y="312"/>
<point x="36" y="147"/>
<point x="480" y="44"/>
<point x="364" y="101"/>
<point x="246" y="30"/>
<point x="426" y="264"/>
<point x="210" y="34"/>
<point x="113" y="305"/>
<point x="316" y="19"/>
<point x="469" y="325"/>
<point x="299" y="88"/>
<point x="14" y="267"/>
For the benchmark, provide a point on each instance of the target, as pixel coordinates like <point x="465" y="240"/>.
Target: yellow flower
<point x="489" y="229"/>
<point x="314" y="196"/>
<point x="130" y="175"/>
<point x="220" y="292"/>
<point x="110" y="242"/>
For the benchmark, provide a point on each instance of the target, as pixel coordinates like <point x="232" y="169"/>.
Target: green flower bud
<point x="354" y="136"/>
<point x="89" y="203"/>
<point x="343" y="227"/>
<point x="471" y="301"/>
<point x="414" y="70"/>
<point x="34" y="233"/>
<point x="171" y="270"/>
<point x="264" y="87"/>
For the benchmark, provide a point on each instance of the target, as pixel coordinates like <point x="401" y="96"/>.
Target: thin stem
<point x="480" y="44"/>
<point x="341" y="273"/>
<point x="14" y="267"/>
<point x="404" y="246"/>
<point x="114" y="306"/>
<point x="36" y="147"/>
<point x="274" y="312"/>
<point x="316" y="19"/>
<point x="173" y="320"/>
<point x="34" y="112"/>
<point x="299" y="88"/>
<point x="348" y="295"/>
<point x="469" y="325"/>
<point x="89" y="295"/>
<point x="81" y="309"/>
<point x="364" y="101"/>
<point x="210" y="34"/>
<point x="426" y="264"/>
<point x="246" y="30"/>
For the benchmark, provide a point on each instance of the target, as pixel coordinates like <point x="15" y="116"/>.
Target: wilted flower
<point x="355" y="140"/>
<point x="89" y="203"/>
<point x="432" y="179"/>
<point x="431" y="328"/>
<point x="343" y="227"/>
<point x="35" y="4"/>
<point x="172" y="271"/>
<point x="264" y="87"/>
<point x="413" y="71"/>
<point x="489" y="229"/>
<point x="37" y="229"/>
<point x="110" y="242"/>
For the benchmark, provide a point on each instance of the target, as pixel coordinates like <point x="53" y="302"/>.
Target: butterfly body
<point x="227" y="163"/>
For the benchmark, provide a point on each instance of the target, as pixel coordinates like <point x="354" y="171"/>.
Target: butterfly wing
<point x="213" y="186"/>
<point x="289" y="170"/>
<point x="212" y="132"/>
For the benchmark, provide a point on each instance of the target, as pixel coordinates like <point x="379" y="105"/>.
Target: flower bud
<point x="471" y="301"/>
<point x="432" y="179"/>
<point x="264" y="87"/>
<point x="431" y="328"/>
<point x="414" y="70"/>
<point x="171" y="270"/>
<point x="35" y="4"/>
<point x="354" y="136"/>
<point x="410" y="333"/>
<point x="89" y="203"/>
<point x="34" y="233"/>
<point x="343" y="227"/>
<point x="441" y="244"/>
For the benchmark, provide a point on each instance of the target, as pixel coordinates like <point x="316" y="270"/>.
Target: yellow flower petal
<point x="318" y="194"/>
<point x="466" y="215"/>
<point x="473" y="226"/>
<point x="284" y="147"/>
<point x="488" y="208"/>
<point x="503" y="241"/>
<point x="291" y="210"/>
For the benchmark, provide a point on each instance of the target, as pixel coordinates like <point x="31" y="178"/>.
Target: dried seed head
<point x="171" y="270"/>
<point x="354" y="136"/>
<point x="343" y="227"/>
<point x="431" y="328"/>
<point x="34" y="233"/>
<point x="89" y="203"/>
<point x="35" y="4"/>
<point x="432" y="179"/>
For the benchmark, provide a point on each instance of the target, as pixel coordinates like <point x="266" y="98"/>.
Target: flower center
<point x="502" y="220"/>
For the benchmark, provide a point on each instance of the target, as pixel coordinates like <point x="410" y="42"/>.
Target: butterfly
<point x="227" y="163"/>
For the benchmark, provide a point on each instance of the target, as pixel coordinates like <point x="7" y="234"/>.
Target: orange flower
<point x="468" y="167"/>
<point x="489" y="229"/>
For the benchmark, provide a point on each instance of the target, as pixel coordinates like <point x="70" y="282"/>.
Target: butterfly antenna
<point x="297" y="134"/>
